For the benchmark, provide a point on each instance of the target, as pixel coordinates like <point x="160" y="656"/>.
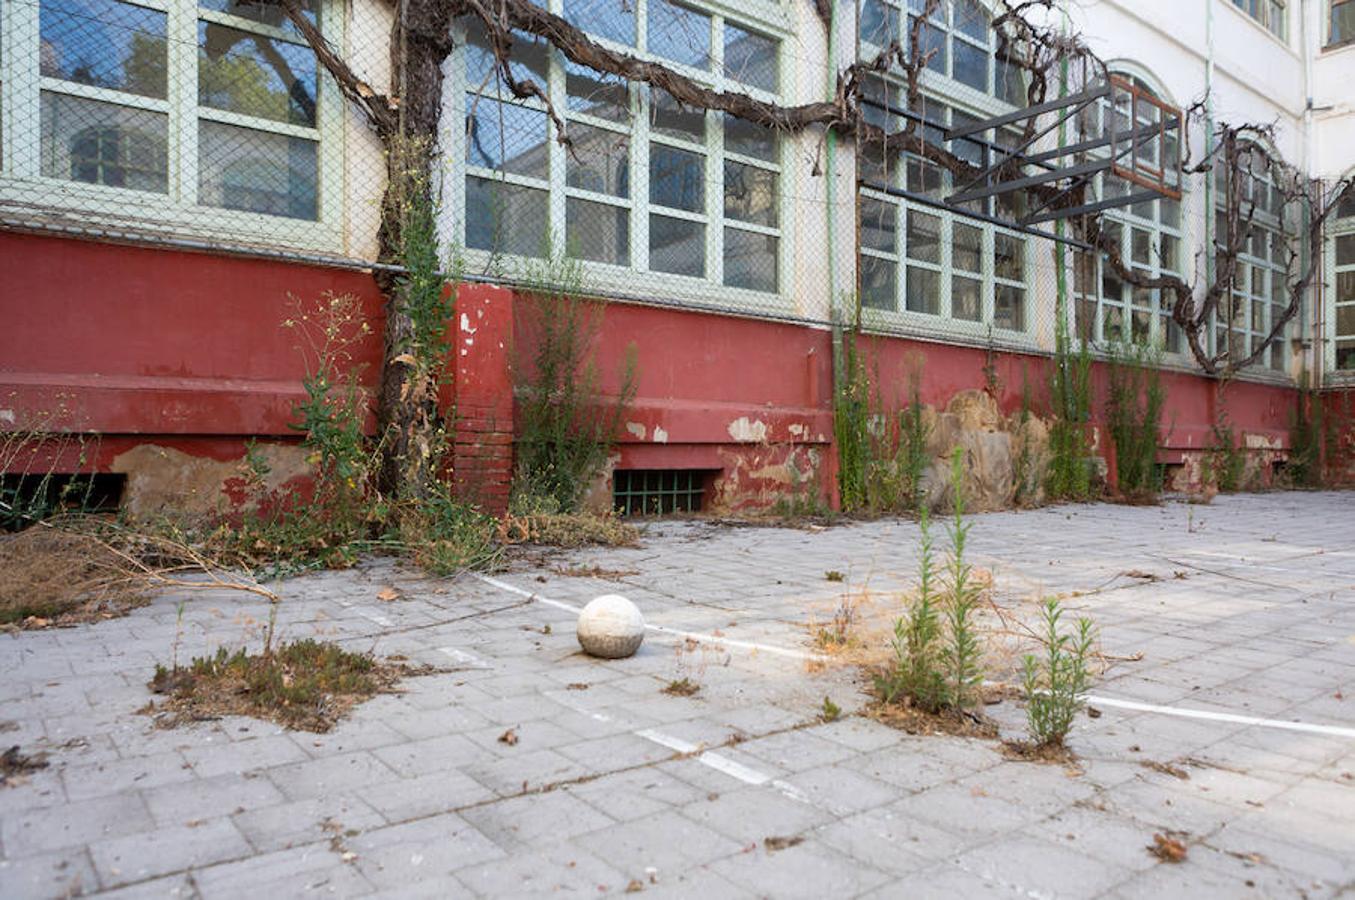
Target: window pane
<point x="967" y="248"/>
<point x="1345" y="250"/>
<point x="670" y="118"/>
<point x="750" y="194"/>
<point x="257" y="171"/>
<point x="964" y="298"/>
<point x="1345" y="321"/>
<point x="750" y="58"/>
<point x="932" y="44"/>
<point x="1345" y="287"/>
<point x="971" y="65"/>
<point x="970" y="19"/>
<point x="1141" y="246"/>
<point x="596" y="94"/>
<point x="267" y="13"/>
<point x="506" y="137"/>
<point x="877" y="283"/>
<point x="924" y="237"/>
<point x="750" y="260"/>
<point x="879" y="23"/>
<point x="103" y="143"/>
<point x="1345" y="355"/>
<point x="610" y="19"/>
<point x="677" y="246"/>
<point x="679" y="34"/>
<point x="1009" y="83"/>
<point x="104" y="43"/>
<point x="527" y="63"/>
<point x="878" y="229"/>
<point x="748" y="139"/>
<point x="598" y="160"/>
<point x="924" y="177"/>
<point x="1009" y="308"/>
<point x="246" y="73"/>
<point x="677" y="178"/>
<point x="505" y="218"/>
<point x="597" y="231"/>
<point x="1009" y="257"/>
<point x="924" y="290"/>
<point x="1342" y="22"/>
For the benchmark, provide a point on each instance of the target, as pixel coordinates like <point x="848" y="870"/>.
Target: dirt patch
<point x="57" y="577"/>
<point x="594" y="571"/>
<point x="1050" y="754"/>
<point x="1174" y="771"/>
<point x="568" y="530"/>
<point x="16" y="766"/>
<point x="957" y="723"/>
<point x="782" y="842"/>
<point x="305" y="685"/>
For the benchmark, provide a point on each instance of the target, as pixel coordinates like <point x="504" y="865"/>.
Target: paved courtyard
<point x="1220" y="720"/>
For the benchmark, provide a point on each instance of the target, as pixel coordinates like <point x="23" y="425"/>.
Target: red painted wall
<point x="190" y="350"/>
<point x="134" y="341"/>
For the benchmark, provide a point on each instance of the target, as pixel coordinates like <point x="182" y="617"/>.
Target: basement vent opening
<point x="659" y="492"/>
<point x="26" y="498"/>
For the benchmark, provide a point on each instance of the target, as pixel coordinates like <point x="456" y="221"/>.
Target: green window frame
<point x="210" y="117"/>
<point x="651" y="196"/>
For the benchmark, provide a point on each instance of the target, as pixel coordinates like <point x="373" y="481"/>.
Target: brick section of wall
<point x="482" y="443"/>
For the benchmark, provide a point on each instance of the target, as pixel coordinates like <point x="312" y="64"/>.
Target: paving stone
<point x="429" y="848"/>
<point x="314" y="870"/>
<point x="133" y="858"/>
<point x="208" y="798"/>
<point x="535" y="820"/>
<point x="32" y="831"/>
<point x="66" y="873"/>
<point x="664" y="840"/>
<point x="305" y="821"/>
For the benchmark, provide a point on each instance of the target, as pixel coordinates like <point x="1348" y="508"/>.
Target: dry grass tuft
<point x="305" y="685"/>
<point x="567" y="530"/>
<point x="86" y="568"/>
<point x="52" y="577"/>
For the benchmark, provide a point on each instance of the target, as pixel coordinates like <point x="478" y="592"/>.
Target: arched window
<point x="1148" y="233"/>
<point x="117" y="156"/>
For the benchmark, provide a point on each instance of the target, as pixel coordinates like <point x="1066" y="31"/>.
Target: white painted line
<point x="750" y="646"/>
<point x="1332" y="730"/>
<point x="709" y="758"/>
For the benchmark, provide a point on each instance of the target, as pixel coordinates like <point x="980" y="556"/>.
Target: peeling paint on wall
<point x="636" y="429"/>
<point x="660" y="436"/>
<point x="166" y="480"/>
<point x="748" y="431"/>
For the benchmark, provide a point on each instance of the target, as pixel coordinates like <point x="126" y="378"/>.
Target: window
<point x="1343" y="253"/>
<point x="1270" y="13"/>
<point x="958" y="36"/>
<point x="1341" y="28"/>
<point x="1259" y="291"/>
<point x="646" y="185"/>
<point x="1148" y="233"/>
<point x="109" y="115"/>
<point x="920" y="259"/>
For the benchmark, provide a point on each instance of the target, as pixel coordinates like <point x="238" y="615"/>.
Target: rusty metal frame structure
<point x="1127" y="157"/>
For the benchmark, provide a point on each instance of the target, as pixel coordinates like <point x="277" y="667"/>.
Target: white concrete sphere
<point x="610" y="626"/>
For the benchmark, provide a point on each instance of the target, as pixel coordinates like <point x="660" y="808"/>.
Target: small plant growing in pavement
<point x="830" y="711"/>
<point x="915" y="671"/>
<point x="1055" y="685"/>
<point x="961" y="655"/>
<point x="937" y="652"/>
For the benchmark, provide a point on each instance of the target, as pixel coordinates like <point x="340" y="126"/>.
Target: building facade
<point x="176" y="176"/>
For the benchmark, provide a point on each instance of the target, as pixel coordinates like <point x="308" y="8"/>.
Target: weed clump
<point x="306" y="685"/>
<point x="936" y="669"/>
<point x="1134" y="402"/>
<point x="1070" y="392"/>
<point x="1055" y="685"/>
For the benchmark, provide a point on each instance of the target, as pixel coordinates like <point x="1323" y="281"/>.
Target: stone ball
<point x="611" y="627"/>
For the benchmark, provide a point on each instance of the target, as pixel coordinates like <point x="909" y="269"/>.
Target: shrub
<point x="1070" y="449"/>
<point x="1056" y="684"/>
<point x="1134" y="401"/>
<point x="567" y="425"/>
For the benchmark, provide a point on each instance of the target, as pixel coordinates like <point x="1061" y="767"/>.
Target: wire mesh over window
<point x="173" y="118"/>
<point x="658" y="492"/>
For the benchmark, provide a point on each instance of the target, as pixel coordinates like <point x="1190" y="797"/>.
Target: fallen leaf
<point x="388" y="594"/>
<point x="509" y="737"/>
<point x="1167" y="849"/>
<point x="775" y="843"/>
<point x="635" y="886"/>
